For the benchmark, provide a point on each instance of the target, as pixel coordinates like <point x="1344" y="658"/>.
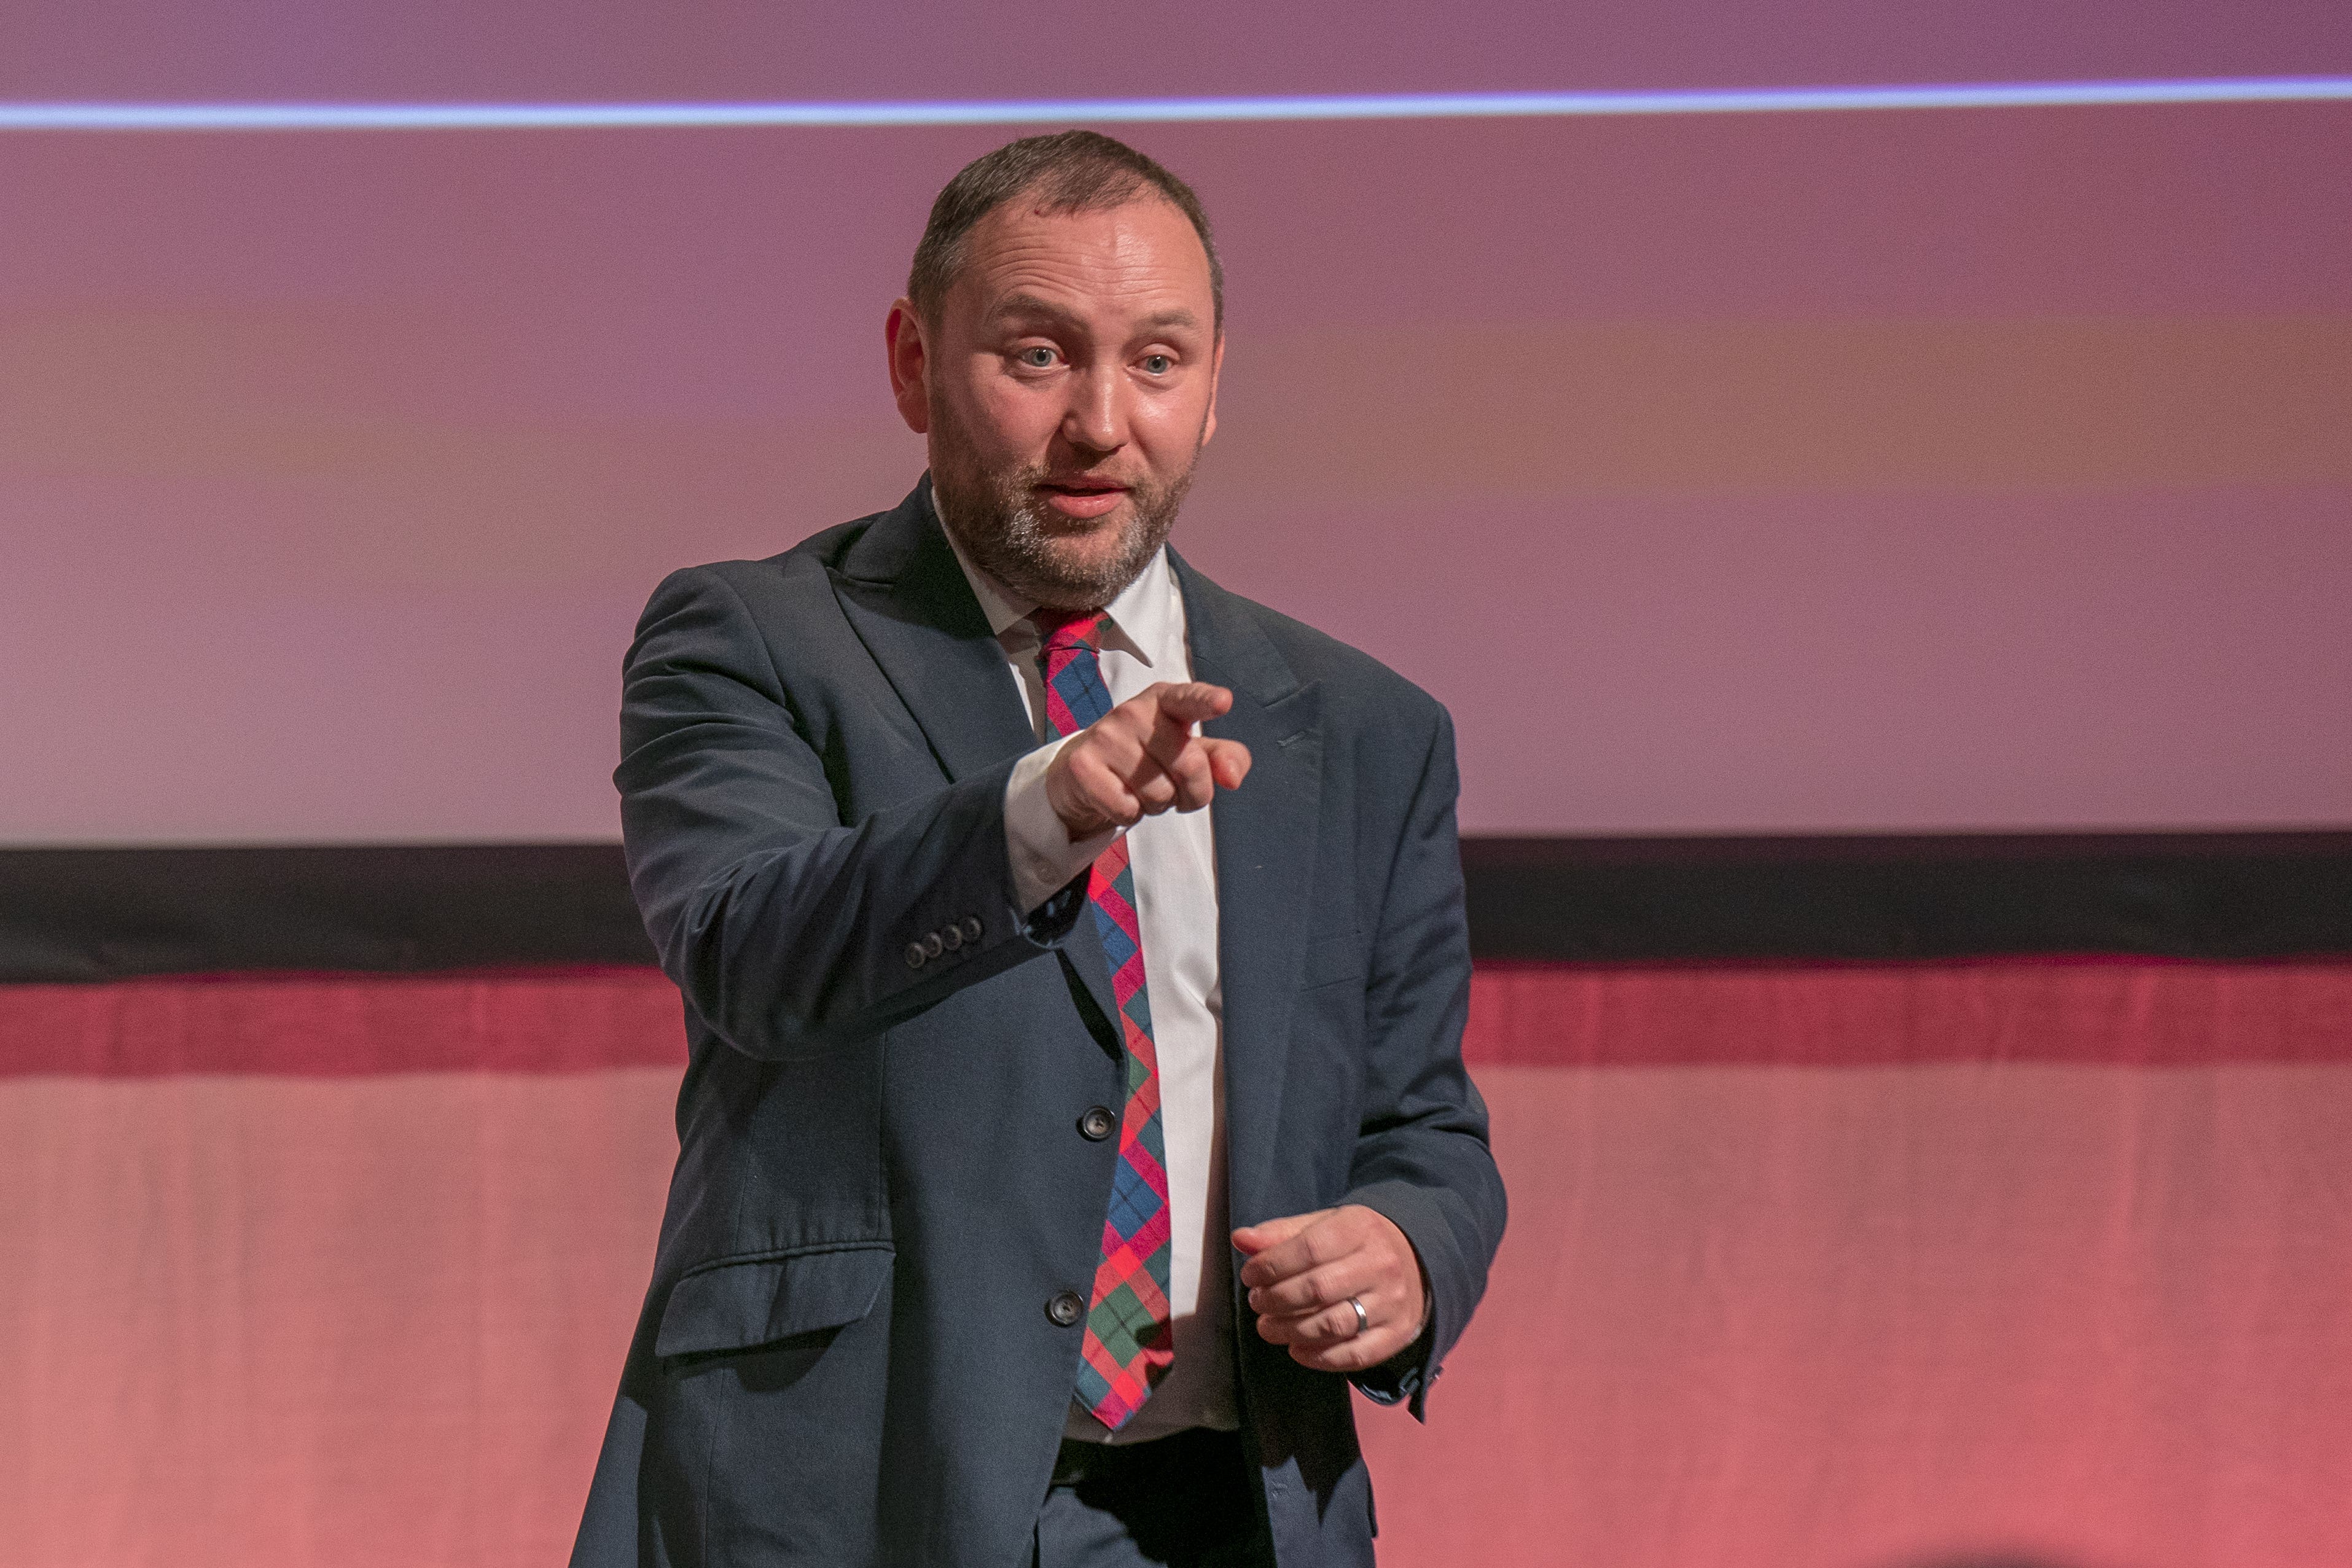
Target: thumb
<point x="1229" y="761"/>
<point x="1252" y="1239"/>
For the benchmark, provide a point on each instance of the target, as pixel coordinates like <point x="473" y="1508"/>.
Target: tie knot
<point x="1061" y="629"/>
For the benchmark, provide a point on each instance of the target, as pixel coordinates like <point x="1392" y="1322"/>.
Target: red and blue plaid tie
<point x="1129" y="1341"/>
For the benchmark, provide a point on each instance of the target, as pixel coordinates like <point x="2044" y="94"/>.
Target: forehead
<point x="1139" y="258"/>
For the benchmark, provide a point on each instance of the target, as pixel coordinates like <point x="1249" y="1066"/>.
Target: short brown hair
<point x="1069" y="171"/>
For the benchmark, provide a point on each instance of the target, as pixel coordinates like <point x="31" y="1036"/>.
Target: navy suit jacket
<point x="846" y="1355"/>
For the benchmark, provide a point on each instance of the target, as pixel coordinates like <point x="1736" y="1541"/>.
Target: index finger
<point x="1187" y="703"/>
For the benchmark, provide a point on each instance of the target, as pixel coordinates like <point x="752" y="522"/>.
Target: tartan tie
<point x="1129" y="1340"/>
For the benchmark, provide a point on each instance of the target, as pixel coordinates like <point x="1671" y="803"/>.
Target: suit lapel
<point x="906" y="596"/>
<point x="908" y="600"/>
<point x="1265" y="854"/>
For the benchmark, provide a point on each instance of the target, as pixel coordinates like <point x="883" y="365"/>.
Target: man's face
<point x="1067" y="390"/>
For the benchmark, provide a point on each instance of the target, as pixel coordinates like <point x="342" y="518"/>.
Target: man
<point x="1044" y="913"/>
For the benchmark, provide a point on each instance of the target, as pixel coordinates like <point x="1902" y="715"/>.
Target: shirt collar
<point x="1139" y="614"/>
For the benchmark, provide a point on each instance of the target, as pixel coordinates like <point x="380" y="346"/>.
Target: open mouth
<point x="1083" y="497"/>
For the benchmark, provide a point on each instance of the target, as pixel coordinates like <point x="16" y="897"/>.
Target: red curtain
<point x="1850" y="1266"/>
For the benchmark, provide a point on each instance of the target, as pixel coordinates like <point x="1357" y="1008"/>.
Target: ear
<point x="1216" y="367"/>
<point x="902" y="333"/>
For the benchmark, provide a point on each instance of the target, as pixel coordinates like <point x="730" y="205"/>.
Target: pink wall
<point x="1969" y="469"/>
<point x="1807" y="1267"/>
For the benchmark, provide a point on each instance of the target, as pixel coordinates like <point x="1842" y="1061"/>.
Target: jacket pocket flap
<point x="732" y="1306"/>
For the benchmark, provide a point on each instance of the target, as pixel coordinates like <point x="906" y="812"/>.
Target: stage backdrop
<point x="1909" y="470"/>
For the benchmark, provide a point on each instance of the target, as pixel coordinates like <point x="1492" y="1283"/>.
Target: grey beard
<point x="999" y="522"/>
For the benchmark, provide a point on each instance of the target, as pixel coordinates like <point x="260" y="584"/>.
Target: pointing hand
<point x="1142" y="759"/>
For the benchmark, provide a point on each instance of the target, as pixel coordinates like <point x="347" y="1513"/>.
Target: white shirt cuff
<point x="1043" y="857"/>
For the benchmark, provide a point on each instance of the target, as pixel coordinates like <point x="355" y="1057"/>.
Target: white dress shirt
<point x="1174" y="863"/>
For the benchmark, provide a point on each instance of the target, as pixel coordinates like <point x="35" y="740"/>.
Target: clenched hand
<point x="1303" y="1268"/>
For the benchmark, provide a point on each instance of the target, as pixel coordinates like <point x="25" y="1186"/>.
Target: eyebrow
<point x="1029" y="307"/>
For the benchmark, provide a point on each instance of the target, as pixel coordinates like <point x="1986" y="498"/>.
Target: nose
<point x="1095" y="421"/>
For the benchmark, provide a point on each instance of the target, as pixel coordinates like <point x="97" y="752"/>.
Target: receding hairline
<point x="1024" y="302"/>
<point x="1067" y="172"/>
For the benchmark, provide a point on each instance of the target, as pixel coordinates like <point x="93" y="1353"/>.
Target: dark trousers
<point x="1191" y="1500"/>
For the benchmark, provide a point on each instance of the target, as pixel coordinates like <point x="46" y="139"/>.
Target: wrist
<point x="1077" y="816"/>
<point x="1037" y="841"/>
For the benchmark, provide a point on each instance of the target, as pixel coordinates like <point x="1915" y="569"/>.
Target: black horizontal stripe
<point x="105" y="913"/>
<point x="1861" y="897"/>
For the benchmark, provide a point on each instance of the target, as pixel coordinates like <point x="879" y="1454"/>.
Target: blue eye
<point x="1158" y="364"/>
<point x="1037" y="358"/>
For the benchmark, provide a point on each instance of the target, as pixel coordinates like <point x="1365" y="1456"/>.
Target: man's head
<point x="1058" y="345"/>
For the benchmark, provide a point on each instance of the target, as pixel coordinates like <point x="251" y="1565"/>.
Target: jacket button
<point x="1066" y="1308"/>
<point x="915" y="955"/>
<point x="933" y="946"/>
<point x="1097" y="1123"/>
<point x="952" y="935"/>
<point x="971" y="928"/>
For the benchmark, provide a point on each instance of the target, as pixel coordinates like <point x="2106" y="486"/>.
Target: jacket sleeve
<point x="1422" y="1156"/>
<point x="788" y="929"/>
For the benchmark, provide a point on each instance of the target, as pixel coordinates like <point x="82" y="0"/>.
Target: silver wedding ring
<point x="1363" y="1318"/>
